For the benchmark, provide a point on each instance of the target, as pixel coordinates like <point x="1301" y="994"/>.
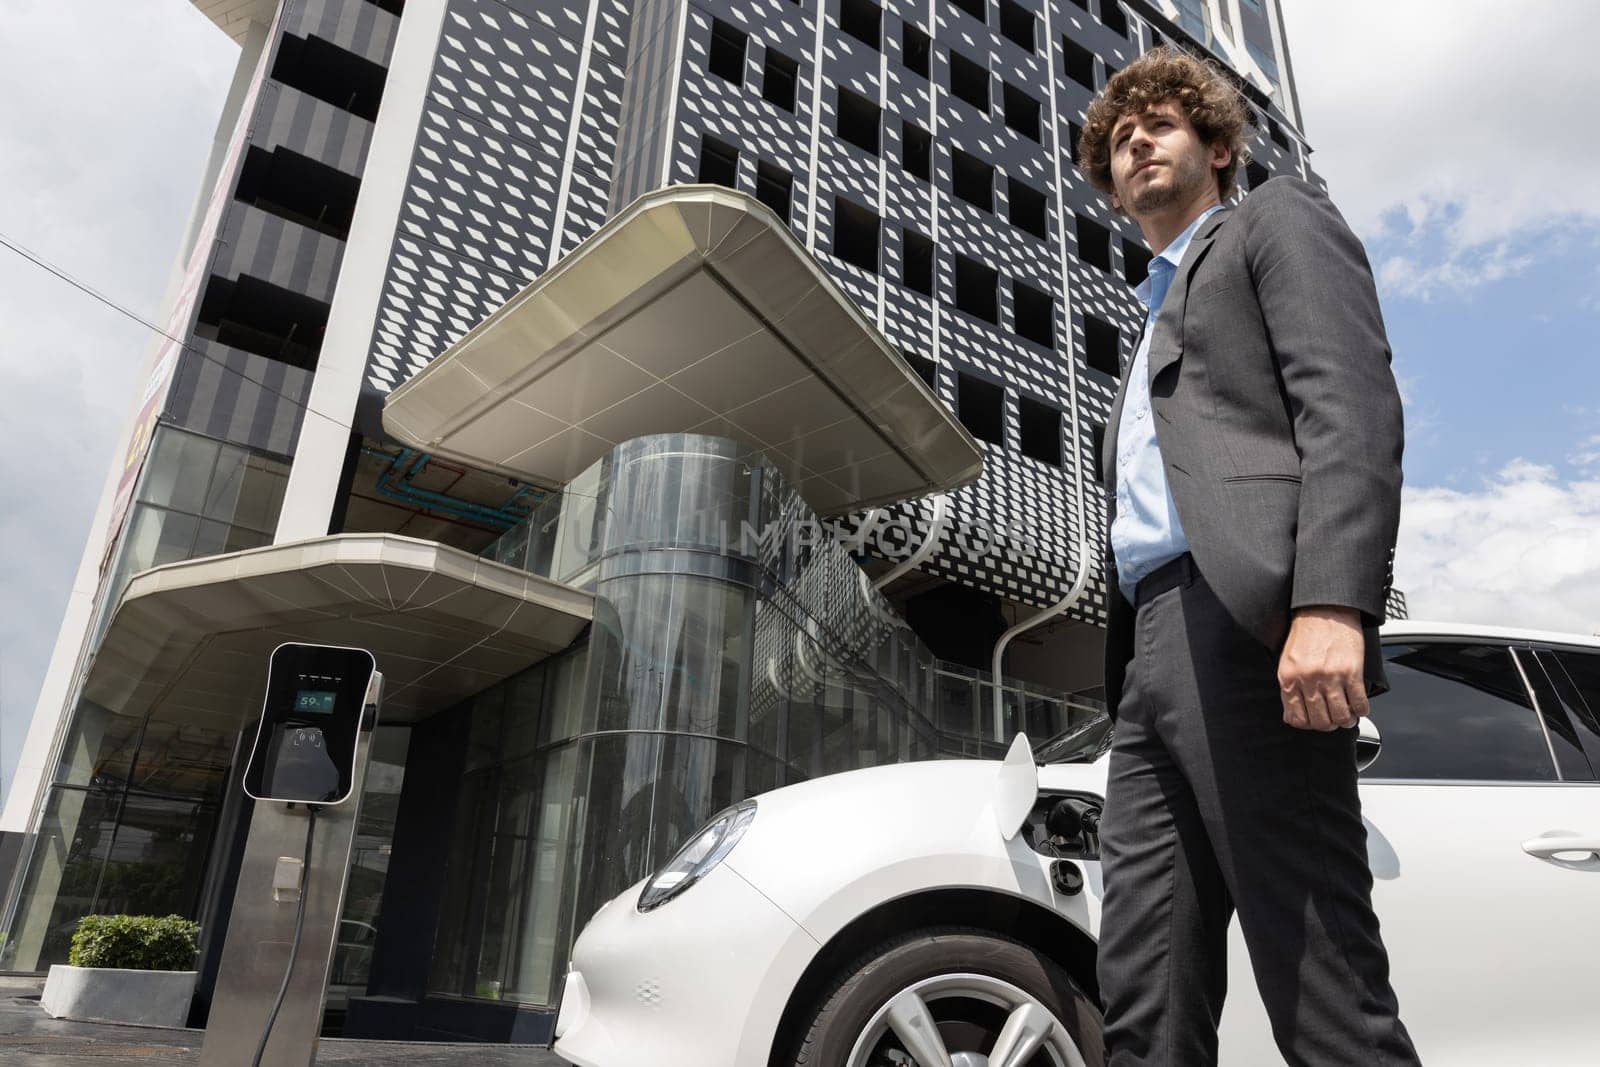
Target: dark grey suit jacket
<point x="1278" y="420"/>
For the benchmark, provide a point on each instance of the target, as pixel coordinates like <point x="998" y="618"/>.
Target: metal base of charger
<point x="261" y="928"/>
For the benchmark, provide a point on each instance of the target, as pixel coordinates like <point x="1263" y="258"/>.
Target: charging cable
<point x="294" y="946"/>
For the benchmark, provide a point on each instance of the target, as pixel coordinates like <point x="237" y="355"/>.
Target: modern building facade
<point x="451" y="337"/>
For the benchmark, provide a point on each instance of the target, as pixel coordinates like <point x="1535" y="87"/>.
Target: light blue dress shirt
<point x="1146" y="532"/>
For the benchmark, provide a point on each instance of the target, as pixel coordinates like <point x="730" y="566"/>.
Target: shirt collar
<point x="1173" y="253"/>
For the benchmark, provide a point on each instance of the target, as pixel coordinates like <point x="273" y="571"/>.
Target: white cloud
<point x="1523" y="549"/>
<point x="1459" y="270"/>
<point x="110" y="113"/>
<point x="1459" y="120"/>
<point x="1587" y="453"/>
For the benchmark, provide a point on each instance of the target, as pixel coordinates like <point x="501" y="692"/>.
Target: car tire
<point x="865" y="986"/>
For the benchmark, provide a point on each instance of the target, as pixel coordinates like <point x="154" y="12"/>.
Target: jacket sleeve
<point x="1320" y="308"/>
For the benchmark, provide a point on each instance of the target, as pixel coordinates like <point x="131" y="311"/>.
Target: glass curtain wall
<point x="369" y="862"/>
<point x="736" y="647"/>
<point x="131" y="811"/>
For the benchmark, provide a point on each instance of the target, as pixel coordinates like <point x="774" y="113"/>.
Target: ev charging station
<point x="304" y="773"/>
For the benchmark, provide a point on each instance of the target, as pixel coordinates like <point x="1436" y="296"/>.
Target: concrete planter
<point x="110" y="994"/>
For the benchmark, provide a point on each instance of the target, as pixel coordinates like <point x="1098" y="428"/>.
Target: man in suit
<point x="1252" y="462"/>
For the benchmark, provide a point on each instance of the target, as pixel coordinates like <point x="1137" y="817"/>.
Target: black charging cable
<point x="294" y="946"/>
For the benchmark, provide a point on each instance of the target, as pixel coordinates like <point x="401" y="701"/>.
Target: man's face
<point x="1158" y="160"/>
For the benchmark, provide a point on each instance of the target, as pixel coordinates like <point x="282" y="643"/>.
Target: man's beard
<point x="1187" y="174"/>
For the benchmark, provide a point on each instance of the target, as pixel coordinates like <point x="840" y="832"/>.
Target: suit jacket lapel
<point x="1166" y="344"/>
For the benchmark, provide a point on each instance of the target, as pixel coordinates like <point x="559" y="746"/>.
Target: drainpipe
<point x="935" y="532"/>
<point x="1081" y="579"/>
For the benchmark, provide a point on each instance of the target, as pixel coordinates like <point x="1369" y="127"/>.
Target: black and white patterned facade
<point x="542" y="118"/>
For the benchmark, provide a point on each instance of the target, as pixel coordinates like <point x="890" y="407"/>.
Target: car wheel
<point x="953" y="997"/>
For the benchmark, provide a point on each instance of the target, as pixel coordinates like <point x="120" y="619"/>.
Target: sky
<point x="1452" y="135"/>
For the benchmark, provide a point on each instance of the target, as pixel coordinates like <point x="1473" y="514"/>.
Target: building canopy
<point x="693" y="310"/>
<point x="193" y="639"/>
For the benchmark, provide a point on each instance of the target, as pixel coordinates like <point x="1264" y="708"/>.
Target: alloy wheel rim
<point x="912" y="1018"/>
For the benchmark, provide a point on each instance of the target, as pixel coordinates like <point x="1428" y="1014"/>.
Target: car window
<point x="1458" y="711"/>
<point x="1582" y="671"/>
<point x="1576" y="678"/>
<point x="1555" y="698"/>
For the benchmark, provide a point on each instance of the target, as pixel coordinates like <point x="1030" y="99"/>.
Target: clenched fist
<point x="1321" y="671"/>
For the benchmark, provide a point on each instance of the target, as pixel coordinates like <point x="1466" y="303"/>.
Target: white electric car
<point x="943" y="914"/>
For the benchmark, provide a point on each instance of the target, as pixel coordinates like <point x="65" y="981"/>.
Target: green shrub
<point x="134" y="942"/>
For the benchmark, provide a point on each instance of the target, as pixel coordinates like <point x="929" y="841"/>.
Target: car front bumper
<point x="700" y="981"/>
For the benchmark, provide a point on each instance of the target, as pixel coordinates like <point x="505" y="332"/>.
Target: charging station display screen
<point x="305" y="750"/>
<point x="315" y="701"/>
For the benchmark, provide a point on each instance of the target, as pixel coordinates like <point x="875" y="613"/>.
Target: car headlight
<point x="696" y="859"/>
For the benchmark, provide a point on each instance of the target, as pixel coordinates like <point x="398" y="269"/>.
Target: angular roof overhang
<point x="193" y="639"/>
<point x="693" y="310"/>
<point x="233" y="17"/>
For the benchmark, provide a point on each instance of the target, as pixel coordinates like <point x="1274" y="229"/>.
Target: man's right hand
<point x="1322" y="669"/>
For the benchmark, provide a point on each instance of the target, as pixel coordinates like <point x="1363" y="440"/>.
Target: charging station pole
<point x="305" y="771"/>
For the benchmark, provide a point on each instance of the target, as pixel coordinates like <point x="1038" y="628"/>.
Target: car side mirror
<point x="1368" y="743"/>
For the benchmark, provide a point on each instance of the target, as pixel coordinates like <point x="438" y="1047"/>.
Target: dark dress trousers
<point x="1279" y="427"/>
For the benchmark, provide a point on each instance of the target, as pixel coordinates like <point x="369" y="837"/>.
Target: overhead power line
<point x="90" y="291"/>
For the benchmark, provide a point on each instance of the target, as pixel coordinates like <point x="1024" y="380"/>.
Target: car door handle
<point x="1552" y="845"/>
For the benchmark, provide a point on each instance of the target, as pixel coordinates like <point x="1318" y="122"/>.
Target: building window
<point x="926" y="368"/>
<point x="1022" y="110"/>
<point x="1097" y="444"/>
<point x="1094" y="243"/>
<point x="300" y="189"/>
<point x="260" y="317"/>
<point x="1084" y="4"/>
<point x="977" y="290"/>
<point x="719" y="163"/>
<point x="972" y="179"/>
<point x="915" y="49"/>
<point x="855" y="234"/>
<point x="780" y="77"/>
<point x="1017" y="24"/>
<point x="1102" y="345"/>
<point x="1114" y="19"/>
<point x="1040" y="426"/>
<point x="1078" y="62"/>
<point x="969" y="81"/>
<point x="857" y="121"/>
<point x="978" y="9"/>
<point x="916" y="151"/>
<point x="1027" y="207"/>
<point x="1268" y="64"/>
<point x="774" y="188"/>
<point x="916" y="262"/>
<point x="1034" y="314"/>
<point x="1193" y="19"/>
<point x="1279" y="137"/>
<point x="1074" y="131"/>
<point x="1256" y="175"/>
<point x="727" y="51"/>
<point x="981" y="407"/>
<point x="1135" y="261"/>
<point x="332" y="74"/>
<point x="862" y="20"/>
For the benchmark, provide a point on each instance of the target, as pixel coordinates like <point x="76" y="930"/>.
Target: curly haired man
<point x="1252" y="464"/>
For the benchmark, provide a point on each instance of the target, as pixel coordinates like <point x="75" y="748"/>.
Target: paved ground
<point x="30" y="1038"/>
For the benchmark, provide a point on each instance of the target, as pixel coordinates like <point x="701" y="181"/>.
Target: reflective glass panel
<point x="1457" y="712"/>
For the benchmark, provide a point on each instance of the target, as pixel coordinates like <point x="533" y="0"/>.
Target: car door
<point x="1491" y="931"/>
